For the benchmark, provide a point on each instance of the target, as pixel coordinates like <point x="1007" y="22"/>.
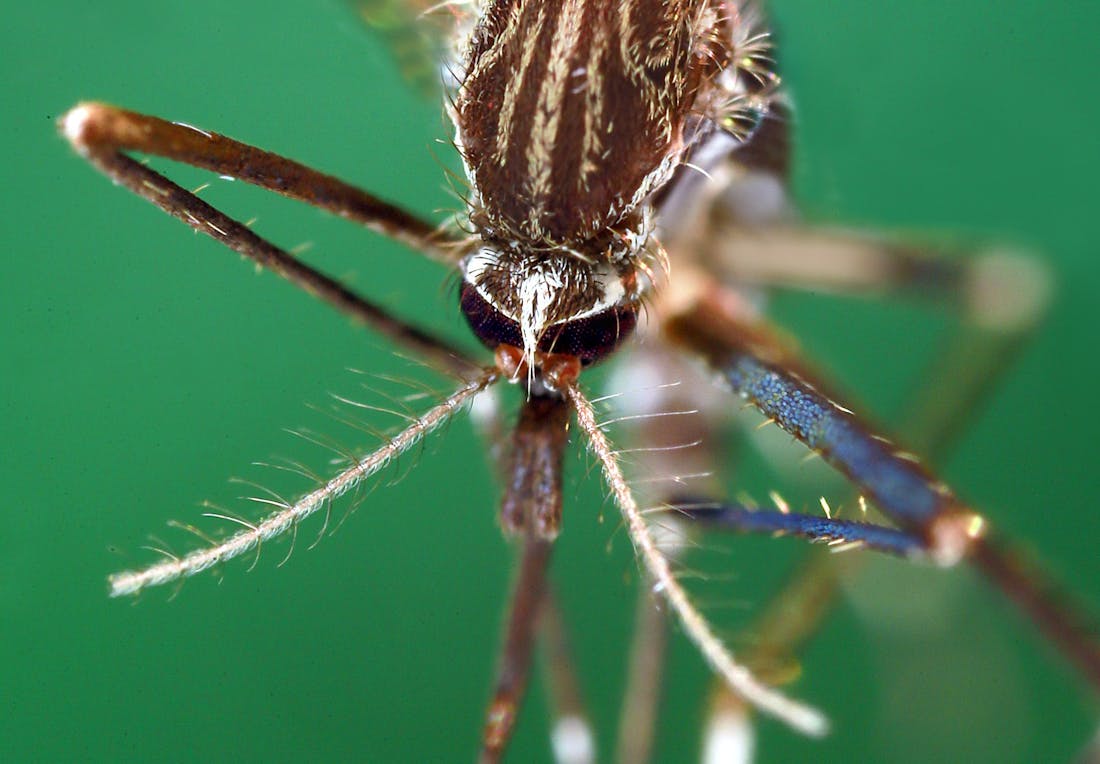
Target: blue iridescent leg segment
<point x="742" y="519"/>
<point x="896" y="482"/>
<point x="761" y="369"/>
<point x="768" y="374"/>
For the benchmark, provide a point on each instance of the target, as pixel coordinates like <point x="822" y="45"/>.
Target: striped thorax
<point x="569" y="117"/>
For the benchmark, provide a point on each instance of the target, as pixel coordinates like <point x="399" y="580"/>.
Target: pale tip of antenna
<point x="120" y="584"/>
<point x="811" y="722"/>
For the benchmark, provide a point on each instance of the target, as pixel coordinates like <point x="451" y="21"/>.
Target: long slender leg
<point x="101" y="132"/>
<point x="515" y="660"/>
<point x="894" y="480"/>
<point x="790" y="256"/>
<point x="96" y="128"/>
<point x="760" y="373"/>
<point x="532" y="502"/>
<point x="571" y="736"/>
<point x="950" y="394"/>
<point x="999" y="297"/>
<point x="645" y="675"/>
<point x="999" y="300"/>
<point x="849" y="533"/>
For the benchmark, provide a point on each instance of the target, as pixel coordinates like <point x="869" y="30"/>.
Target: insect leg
<point x="97" y="128"/>
<point x="515" y="659"/>
<point x="994" y="287"/>
<point x="849" y="533"/>
<point x="998" y="297"/>
<point x="571" y="733"/>
<point x="102" y="133"/>
<point x="645" y="679"/>
<point x="894" y="480"/>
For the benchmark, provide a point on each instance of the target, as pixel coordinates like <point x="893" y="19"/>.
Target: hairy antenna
<point x="740" y="679"/>
<point x="176" y="568"/>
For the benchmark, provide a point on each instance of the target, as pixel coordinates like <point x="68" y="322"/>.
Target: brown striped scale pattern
<point x="569" y="114"/>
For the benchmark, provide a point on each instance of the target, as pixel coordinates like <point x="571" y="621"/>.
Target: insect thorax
<point x="568" y="117"/>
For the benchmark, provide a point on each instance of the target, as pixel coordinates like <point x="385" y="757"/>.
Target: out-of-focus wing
<point x="419" y="32"/>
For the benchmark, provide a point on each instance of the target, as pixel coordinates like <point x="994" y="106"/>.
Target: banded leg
<point x="532" y="504"/>
<point x="103" y="133"/>
<point x="893" y="480"/>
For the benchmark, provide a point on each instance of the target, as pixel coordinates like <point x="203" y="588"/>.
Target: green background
<point x="143" y="366"/>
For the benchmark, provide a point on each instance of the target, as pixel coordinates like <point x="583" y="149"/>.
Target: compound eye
<point x="593" y="337"/>
<point x="590" y="338"/>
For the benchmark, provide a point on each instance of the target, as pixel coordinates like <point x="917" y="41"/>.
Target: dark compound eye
<point x="590" y="338"/>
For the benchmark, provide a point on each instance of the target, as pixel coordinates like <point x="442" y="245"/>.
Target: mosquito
<point x="626" y="166"/>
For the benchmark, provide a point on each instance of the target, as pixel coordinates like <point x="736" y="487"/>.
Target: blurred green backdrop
<point x="144" y="365"/>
